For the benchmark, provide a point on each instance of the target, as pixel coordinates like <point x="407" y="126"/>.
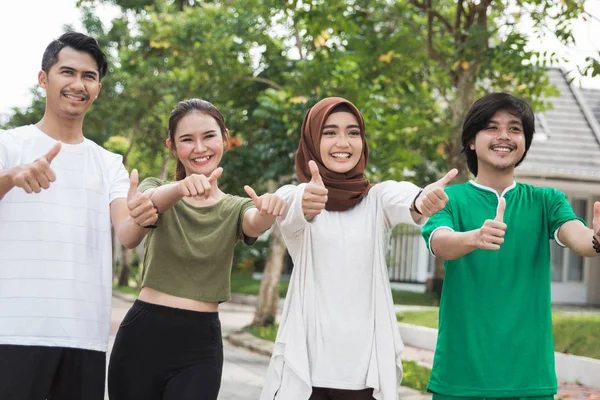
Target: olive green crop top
<point x="190" y="253"/>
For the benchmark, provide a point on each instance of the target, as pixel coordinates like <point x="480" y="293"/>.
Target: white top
<point x="338" y="328"/>
<point x="55" y="246"/>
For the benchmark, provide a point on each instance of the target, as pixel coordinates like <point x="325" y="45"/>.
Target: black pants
<point x="165" y="353"/>
<point x="52" y="373"/>
<point x="319" y="393"/>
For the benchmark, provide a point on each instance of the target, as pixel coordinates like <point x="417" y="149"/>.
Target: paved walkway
<point x="244" y="371"/>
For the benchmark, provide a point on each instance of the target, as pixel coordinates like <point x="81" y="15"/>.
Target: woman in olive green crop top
<point x="169" y="344"/>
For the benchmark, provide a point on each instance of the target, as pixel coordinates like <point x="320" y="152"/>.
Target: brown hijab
<point x="345" y="189"/>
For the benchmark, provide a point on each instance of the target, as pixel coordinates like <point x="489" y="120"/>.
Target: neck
<point x="68" y="131"/>
<point x="497" y="180"/>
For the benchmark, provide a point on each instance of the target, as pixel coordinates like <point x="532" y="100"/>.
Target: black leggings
<point x="165" y="353"/>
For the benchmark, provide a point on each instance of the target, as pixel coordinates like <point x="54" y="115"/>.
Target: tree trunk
<point x="126" y="259"/>
<point x="465" y="96"/>
<point x="268" y="297"/>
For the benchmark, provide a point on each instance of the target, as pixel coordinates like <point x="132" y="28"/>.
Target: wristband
<point x="595" y="244"/>
<point x="413" y="206"/>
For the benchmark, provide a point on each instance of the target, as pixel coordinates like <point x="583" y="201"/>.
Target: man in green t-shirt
<point x="495" y="323"/>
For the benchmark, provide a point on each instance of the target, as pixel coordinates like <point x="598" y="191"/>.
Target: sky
<point x="34" y="23"/>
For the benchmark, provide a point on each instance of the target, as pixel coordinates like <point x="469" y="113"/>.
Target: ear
<point x="168" y="143"/>
<point x="472" y="145"/>
<point x="99" y="89"/>
<point x="42" y="79"/>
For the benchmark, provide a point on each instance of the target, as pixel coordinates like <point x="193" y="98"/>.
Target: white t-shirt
<point x="338" y="328"/>
<point x="55" y="246"/>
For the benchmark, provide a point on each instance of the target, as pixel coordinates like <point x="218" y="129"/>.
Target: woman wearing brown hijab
<point x="338" y="337"/>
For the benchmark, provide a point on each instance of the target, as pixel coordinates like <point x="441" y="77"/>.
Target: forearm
<point x="130" y="234"/>
<point x="418" y="218"/>
<point x="165" y="196"/>
<point x="578" y="238"/>
<point x="6" y="183"/>
<point x="255" y="224"/>
<point x="450" y="245"/>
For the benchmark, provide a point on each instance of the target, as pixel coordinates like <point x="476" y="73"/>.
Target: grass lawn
<point x="573" y="334"/>
<point x="415" y="376"/>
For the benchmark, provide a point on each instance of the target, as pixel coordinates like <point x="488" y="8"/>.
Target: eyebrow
<point x="65" y="68"/>
<point x="514" y="121"/>
<point x="203" y="133"/>
<point x="335" y="126"/>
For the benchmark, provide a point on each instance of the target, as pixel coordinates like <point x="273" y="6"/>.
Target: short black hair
<point x="482" y="111"/>
<point x="79" y="42"/>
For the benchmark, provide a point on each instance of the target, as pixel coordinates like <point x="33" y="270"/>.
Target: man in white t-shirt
<point x="59" y="193"/>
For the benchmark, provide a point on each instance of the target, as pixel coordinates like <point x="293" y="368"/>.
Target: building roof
<point x="567" y="140"/>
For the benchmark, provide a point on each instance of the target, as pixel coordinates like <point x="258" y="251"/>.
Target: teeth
<point x="341" y="155"/>
<point x="76" y="98"/>
<point x="502" y="149"/>
<point x="201" y="159"/>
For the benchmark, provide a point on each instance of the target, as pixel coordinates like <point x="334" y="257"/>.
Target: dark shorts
<point x="340" y="394"/>
<point x="52" y="373"/>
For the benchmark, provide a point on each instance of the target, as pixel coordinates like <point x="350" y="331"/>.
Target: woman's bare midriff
<point x="154" y="296"/>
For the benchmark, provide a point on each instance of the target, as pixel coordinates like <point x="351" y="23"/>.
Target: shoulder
<point x="150" y="183"/>
<point x="18" y="135"/>
<point x="106" y="155"/>
<point x="540" y="193"/>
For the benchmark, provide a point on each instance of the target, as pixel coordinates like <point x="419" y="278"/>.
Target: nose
<point x="77" y="84"/>
<point x="342" y="141"/>
<point x="503" y="134"/>
<point x="200" y="146"/>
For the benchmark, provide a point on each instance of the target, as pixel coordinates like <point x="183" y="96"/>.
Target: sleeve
<point x="440" y="220"/>
<point x="150" y="183"/>
<point x="558" y="211"/>
<point x="396" y="198"/>
<point x="119" y="185"/>
<point x="293" y="222"/>
<point x="245" y="205"/>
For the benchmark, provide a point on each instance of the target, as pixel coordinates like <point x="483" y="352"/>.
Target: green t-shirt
<point x="495" y="319"/>
<point x="190" y="253"/>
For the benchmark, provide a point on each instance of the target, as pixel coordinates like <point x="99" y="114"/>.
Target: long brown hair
<point x="184" y="108"/>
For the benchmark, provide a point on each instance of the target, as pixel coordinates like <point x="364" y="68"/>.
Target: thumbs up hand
<point x="198" y="184"/>
<point x="315" y="193"/>
<point x="433" y="198"/>
<point x="37" y="175"/>
<point x="491" y="234"/>
<point x="141" y="208"/>
<point x="267" y="204"/>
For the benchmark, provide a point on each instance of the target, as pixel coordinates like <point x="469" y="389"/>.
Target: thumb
<point x="314" y="171"/>
<point x="597" y="209"/>
<point x="596" y="220"/>
<point x="500" y="211"/>
<point x="133" y="184"/>
<point x="216" y="174"/>
<point x="53" y="152"/>
<point x="252" y="195"/>
<point x="448" y="177"/>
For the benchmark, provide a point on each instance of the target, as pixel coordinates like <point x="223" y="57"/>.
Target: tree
<point x="477" y="46"/>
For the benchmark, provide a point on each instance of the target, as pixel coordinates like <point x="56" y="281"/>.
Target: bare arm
<point x="578" y="238"/>
<point x="129" y="233"/>
<point x="268" y="207"/>
<point x="166" y="196"/>
<point x="6" y="182"/>
<point x="450" y="245"/>
<point x="131" y="216"/>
